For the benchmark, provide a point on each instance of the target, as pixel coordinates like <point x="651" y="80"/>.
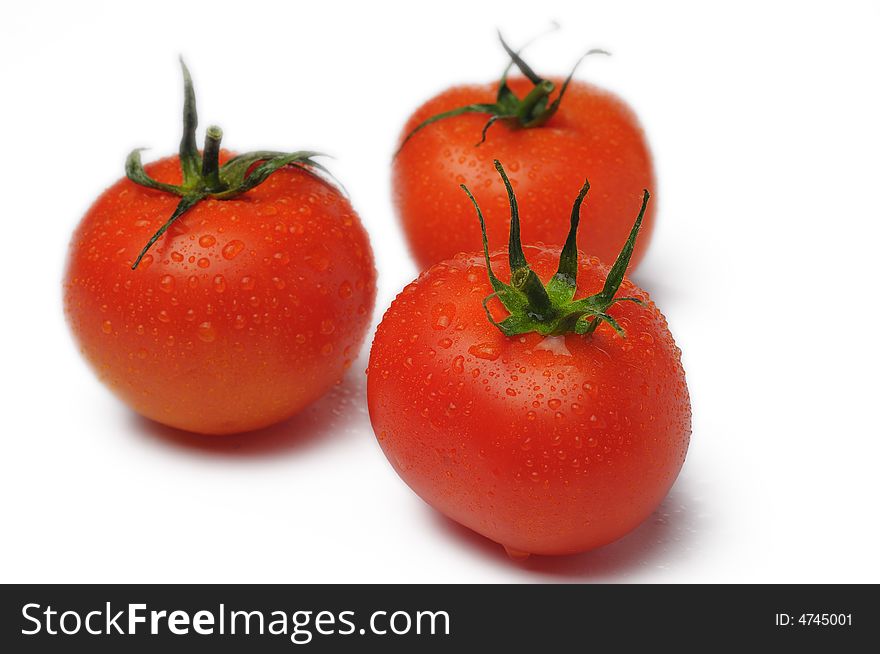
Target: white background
<point x="763" y="118"/>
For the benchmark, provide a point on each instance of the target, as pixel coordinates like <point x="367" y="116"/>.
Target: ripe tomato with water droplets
<point x="547" y="445"/>
<point x="219" y="293"/>
<point x="593" y="134"/>
<point x="244" y="312"/>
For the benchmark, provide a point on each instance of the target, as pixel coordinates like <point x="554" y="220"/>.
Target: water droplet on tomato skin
<point x="487" y="351"/>
<point x="166" y="283"/>
<point x="219" y="283"/>
<point x="318" y="262"/>
<point x="458" y="365"/>
<point x="232" y="249"/>
<point x="207" y="241"/>
<point x="442" y="315"/>
<point x="247" y="283"/>
<point x="107" y="327"/>
<point x="205" y="332"/>
<point x="203" y="262"/>
<point x="515" y="554"/>
<point x="345" y="290"/>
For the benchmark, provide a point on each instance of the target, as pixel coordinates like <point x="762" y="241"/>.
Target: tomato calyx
<point x="203" y="176"/>
<point x="551" y="309"/>
<point x="534" y="110"/>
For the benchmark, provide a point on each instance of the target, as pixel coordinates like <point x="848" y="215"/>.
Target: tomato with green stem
<point x="550" y="133"/>
<point x="549" y="413"/>
<point x="220" y="293"/>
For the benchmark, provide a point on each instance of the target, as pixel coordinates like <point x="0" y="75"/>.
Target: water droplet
<point x="207" y="241"/>
<point x="282" y="257"/>
<point x="166" y="283"/>
<point x="142" y="353"/>
<point x="204" y="262"/>
<point x="345" y="290"/>
<point x="327" y="349"/>
<point x="106" y="327"/>
<point x="511" y="392"/>
<point x="442" y="315"/>
<point x="205" y="332"/>
<point x="219" y="283"/>
<point x="327" y="326"/>
<point x="458" y="364"/>
<point x="445" y="343"/>
<point x="232" y="249"/>
<point x="163" y="316"/>
<point x="318" y="262"/>
<point x="555" y="403"/>
<point x="248" y="283"/>
<point x="488" y="351"/>
<point x="278" y="283"/>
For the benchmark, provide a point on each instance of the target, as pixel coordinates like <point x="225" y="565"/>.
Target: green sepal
<point x="534" y="110"/>
<point x="190" y="159"/>
<point x="204" y="177"/>
<point x="562" y="286"/>
<point x="186" y="203"/>
<point x="551" y="309"/>
<point x="134" y="170"/>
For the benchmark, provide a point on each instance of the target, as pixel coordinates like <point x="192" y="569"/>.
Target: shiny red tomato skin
<point x="594" y="135"/>
<point x="546" y="446"/>
<point x="242" y="314"/>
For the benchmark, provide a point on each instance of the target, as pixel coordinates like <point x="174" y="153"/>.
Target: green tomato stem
<point x="551" y="309"/>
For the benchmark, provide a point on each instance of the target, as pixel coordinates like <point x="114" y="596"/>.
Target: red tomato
<point x="593" y="134"/>
<point x="246" y="310"/>
<point x="546" y="444"/>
